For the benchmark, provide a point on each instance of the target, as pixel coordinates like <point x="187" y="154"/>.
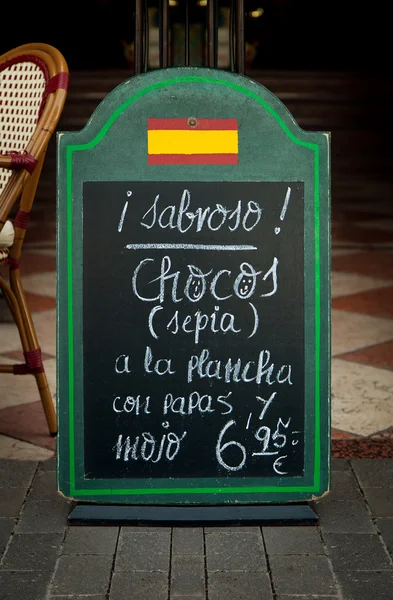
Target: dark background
<point x="298" y="34"/>
<point x="329" y="63"/>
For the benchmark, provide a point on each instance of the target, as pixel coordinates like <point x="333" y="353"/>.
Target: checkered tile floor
<point x="362" y="335"/>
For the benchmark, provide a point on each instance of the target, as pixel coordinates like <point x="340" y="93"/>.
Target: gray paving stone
<point x="187" y="540"/>
<point x="344" y="517"/>
<point x="24" y="585"/>
<point x="238" y="529"/>
<point x="89" y="597"/>
<point x="344" y="486"/>
<point x="293" y="540"/>
<point x="84" y="597"/>
<point x="82" y="575"/>
<point x="385" y="526"/>
<point x="11" y="500"/>
<point x="139" y="586"/>
<point x="22" y="476"/>
<point x="90" y="540"/>
<point x="302" y="597"/>
<point x="357" y="552"/>
<point x="369" y="585"/>
<point x="6" y="527"/>
<point x="380" y="501"/>
<point x="250" y="585"/>
<point x="340" y="464"/>
<point x="188" y="576"/>
<point x="192" y="597"/>
<point x="305" y="575"/>
<point x="235" y="552"/>
<point x="44" y="517"/>
<point x="43" y="487"/>
<point x="374" y="472"/>
<point x="47" y="465"/>
<point x="146" y="529"/>
<point x="32" y="552"/>
<point x="143" y="551"/>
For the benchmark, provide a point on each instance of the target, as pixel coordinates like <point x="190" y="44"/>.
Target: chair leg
<point x="47" y="402"/>
<point x="21" y="313"/>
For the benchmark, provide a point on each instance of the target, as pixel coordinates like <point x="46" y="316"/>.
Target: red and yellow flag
<point x="192" y="141"/>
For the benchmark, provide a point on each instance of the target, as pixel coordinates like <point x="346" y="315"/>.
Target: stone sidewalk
<point x="347" y="556"/>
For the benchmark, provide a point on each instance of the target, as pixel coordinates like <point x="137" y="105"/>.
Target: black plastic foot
<point x="292" y="514"/>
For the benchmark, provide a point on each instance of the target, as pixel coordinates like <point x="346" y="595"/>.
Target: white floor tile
<point x="45" y="325"/>
<point x="345" y="284"/>
<point x="11" y="448"/>
<point x="345" y="251"/>
<point x="362" y="397"/>
<point x="384" y="224"/>
<point x="22" y="389"/>
<point x="44" y="252"/>
<point x="353" y="331"/>
<point x="9" y="337"/>
<point x="39" y="245"/>
<point x="43" y="284"/>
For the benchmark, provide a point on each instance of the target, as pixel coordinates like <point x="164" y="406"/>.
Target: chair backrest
<point x="33" y="90"/>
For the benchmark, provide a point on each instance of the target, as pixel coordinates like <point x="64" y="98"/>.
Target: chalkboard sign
<point x="193" y="295"/>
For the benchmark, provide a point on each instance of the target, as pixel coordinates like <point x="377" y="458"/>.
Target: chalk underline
<point x="219" y="247"/>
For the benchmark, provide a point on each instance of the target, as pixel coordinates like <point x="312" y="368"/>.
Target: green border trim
<point x="317" y="275"/>
<point x="317" y="442"/>
<point x="70" y="325"/>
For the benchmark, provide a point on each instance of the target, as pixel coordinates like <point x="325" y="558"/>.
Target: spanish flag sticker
<point x="192" y="141"/>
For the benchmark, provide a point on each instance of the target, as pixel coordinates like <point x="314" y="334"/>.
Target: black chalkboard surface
<point x="193" y="329"/>
<point x="193" y="297"/>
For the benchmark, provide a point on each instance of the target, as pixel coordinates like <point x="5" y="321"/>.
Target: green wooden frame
<point x="271" y="133"/>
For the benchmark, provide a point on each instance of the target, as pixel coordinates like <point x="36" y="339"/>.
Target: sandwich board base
<point x="291" y="514"/>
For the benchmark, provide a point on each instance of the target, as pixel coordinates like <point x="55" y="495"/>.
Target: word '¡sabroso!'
<point x="180" y="216"/>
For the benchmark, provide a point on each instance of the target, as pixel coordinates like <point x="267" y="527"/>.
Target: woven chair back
<point x="23" y="81"/>
<point x="33" y="89"/>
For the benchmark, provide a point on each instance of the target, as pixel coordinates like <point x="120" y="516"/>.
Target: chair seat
<point x="6" y="240"/>
<point x="3" y="255"/>
<point x="7" y="235"/>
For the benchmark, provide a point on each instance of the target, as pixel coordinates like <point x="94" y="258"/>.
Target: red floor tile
<point x="338" y="434"/>
<point x="350" y="216"/>
<point x="385" y="434"/>
<point x="38" y="303"/>
<point x="36" y="263"/>
<point x="374" y="264"/>
<point x="45" y="212"/>
<point x="378" y="303"/>
<point x="380" y="355"/>
<point x="27" y="422"/>
<point x="41" y="234"/>
<point x="17" y="355"/>
<point x="362" y="448"/>
<point x="349" y="233"/>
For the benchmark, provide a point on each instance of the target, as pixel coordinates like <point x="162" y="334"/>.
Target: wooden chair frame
<point x="21" y="172"/>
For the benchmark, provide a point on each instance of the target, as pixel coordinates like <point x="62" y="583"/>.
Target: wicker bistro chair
<point x="33" y="90"/>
